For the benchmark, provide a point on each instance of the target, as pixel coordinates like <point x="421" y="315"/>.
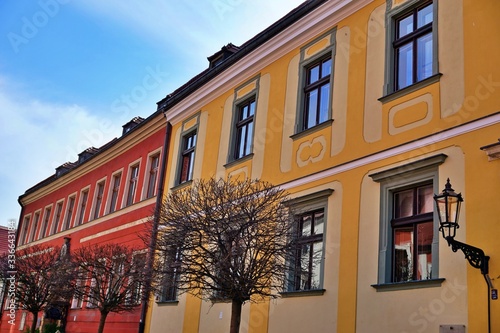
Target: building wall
<point x="449" y="118"/>
<point x="123" y="226"/>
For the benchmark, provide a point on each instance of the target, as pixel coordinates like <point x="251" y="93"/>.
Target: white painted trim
<point x="424" y="142"/>
<point x="110" y="231"/>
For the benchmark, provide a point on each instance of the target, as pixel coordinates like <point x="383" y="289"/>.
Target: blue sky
<point x="73" y="72"/>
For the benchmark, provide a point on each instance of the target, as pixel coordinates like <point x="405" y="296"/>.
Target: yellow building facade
<point x="361" y="110"/>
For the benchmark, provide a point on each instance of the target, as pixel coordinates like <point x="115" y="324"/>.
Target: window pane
<point x="305" y="228"/>
<point x="241" y="143"/>
<point x="249" y="136"/>
<point x="304" y="267"/>
<point x="403" y="254"/>
<point x="313" y="74"/>
<point x="312" y="107"/>
<point x="326" y="68"/>
<point x="316" y="265"/>
<point x="319" y="222"/>
<point x="405" y="66"/>
<point x="252" y="108"/>
<point x="424" y="250"/>
<point x="404" y="204"/>
<point x="424" y="57"/>
<point x="425" y="199"/>
<point x="424" y="16"/>
<point x="324" y="100"/>
<point x="405" y="26"/>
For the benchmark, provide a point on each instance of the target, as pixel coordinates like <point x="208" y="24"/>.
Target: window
<point x="132" y="184"/>
<point x="46" y="218"/>
<point x="77" y="301"/>
<point x="83" y="204"/>
<point x="98" y="199"/>
<point x="154" y="162"/>
<point x="408" y="250"/>
<point x="24" y="237"/>
<point x="91" y="299"/>
<point x="412" y="228"/>
<point x="34" y="226"/>
<point x="114" y="192"/>
<point x="317" y="92"/>
<point x="244" y="129"/>
<point x="57" y="218"/>
<point x="139" y="262"/>
<point x="309" y="251"/>
<point x="306" y="262"/>
<point x="69" y="213"/>
<point x="413" y="45"/>
<point x="171" y="275"/>
<point x="187" y="158"/>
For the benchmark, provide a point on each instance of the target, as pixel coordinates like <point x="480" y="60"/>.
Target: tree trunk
<point x="102" y="321"/>
<point x="33" y="323"/>
<point x="235" y="315"/>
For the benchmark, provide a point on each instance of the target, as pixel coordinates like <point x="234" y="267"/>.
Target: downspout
<point x="152" y="245"/>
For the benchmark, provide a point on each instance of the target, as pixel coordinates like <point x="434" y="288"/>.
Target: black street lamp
<point x="448" y="206"/>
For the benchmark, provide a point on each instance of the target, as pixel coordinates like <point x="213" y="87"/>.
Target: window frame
<point x="310" y="203"/>
<point x="308" y="88"/>
<point x="70" y="209"/>
<point x="98" y="199"/>
<point x="132" y="184"/>
<point x="169" y="288"/>
<point x="393" y="15"/>
<point x="34" y="225"/>
<point x="305" y="64"/>
<point x="114" y="191"/>
<point x="153" y="172"/>
<point x="420" y="172"/>
<point x="56" y="218"/>
<point x="240" y="123"/>
<point x="187" y="150"/>
<point x="84" y="198"/>
<point x="46" y="222"/>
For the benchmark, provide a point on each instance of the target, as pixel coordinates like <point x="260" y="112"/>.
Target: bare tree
<point x="226" y="239"/>
<point x="43" y="278"/>
<point x="110" y="277"/>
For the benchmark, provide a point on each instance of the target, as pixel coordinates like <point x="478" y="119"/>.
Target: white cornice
<point x="313" y="24"/>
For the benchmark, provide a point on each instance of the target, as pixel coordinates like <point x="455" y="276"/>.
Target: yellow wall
<point x="366" y="136"/>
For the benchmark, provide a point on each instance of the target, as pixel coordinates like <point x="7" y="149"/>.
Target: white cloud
<point x="194" y="28"/>
<point x="36" y="138"/>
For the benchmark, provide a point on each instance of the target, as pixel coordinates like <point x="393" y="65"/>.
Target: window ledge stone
<point x="239" y="160"/>
<point x="302" y="293"/>
<point x="414" y="87"/>
<point x="325" y="124"/>
<point x="416" y="284"/>
<point x="166" y="303"/>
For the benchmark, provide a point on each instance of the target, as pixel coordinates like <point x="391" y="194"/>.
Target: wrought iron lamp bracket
<point x="475" y="256"/>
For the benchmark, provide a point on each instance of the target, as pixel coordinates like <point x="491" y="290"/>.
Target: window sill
<point x="414" y="87"/>
<point x="167" y="303"/>
<point x="431" y="283"/>
<point x="181" y="185"/>
<point x="239" y="160"/>
<point x="303" y="293"/>
<point x="310" y="130"/>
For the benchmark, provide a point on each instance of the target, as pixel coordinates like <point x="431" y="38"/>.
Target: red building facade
<point x="106" y="196"/>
